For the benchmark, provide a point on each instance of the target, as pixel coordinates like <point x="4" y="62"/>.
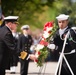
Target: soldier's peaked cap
<point x="25" y="27"/>
<point x="11" y="18"/>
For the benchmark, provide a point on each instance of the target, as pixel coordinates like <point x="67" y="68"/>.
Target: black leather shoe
<point x="13" y="73"/>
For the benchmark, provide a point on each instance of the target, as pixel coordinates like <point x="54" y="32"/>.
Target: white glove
<point x="51" y="46"/>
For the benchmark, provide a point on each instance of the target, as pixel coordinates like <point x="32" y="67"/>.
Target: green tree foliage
<point x="37" y="12"/>
<point x="30" y="11"/>
<point x="68" y="7"/>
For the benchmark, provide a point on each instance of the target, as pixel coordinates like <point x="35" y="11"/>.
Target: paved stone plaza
<point x="48" y="69"/>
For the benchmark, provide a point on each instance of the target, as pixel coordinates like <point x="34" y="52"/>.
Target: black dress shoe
<point x="13" y="73"/>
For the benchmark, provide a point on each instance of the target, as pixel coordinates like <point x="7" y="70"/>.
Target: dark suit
<point x="14" y="58"/>
<point x="24" y="44"/>
<point x="7" y="48"/>
<point x="68" y="48"/>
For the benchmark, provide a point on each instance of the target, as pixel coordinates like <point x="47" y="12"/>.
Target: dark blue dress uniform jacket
<point x="7" y="47"/>
<point x="70" y="45"/>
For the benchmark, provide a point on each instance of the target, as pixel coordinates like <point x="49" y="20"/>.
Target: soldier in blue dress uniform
<point x="63" y="23"/>
<point x="7" y="45"/>
<point x="24" y="43"/>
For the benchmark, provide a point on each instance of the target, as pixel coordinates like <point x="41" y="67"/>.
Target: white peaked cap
<point x="24" y="27"/>
<point x="62" y="17"/>
<point x="11" y="17"/>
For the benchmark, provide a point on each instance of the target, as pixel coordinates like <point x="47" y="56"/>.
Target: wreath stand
<point x="62" y="56"/>
<point x="41" y="68"/>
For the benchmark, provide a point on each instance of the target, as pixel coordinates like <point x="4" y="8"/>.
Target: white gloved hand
<point x="51" y="46"/>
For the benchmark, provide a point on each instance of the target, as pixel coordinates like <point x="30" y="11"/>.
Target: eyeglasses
<point x="15" y="22"/>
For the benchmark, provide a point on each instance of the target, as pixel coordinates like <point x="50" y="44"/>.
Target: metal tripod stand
<point x="62" y="56"/>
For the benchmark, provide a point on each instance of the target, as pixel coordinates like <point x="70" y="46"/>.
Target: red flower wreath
<point x="41" y="48"/>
